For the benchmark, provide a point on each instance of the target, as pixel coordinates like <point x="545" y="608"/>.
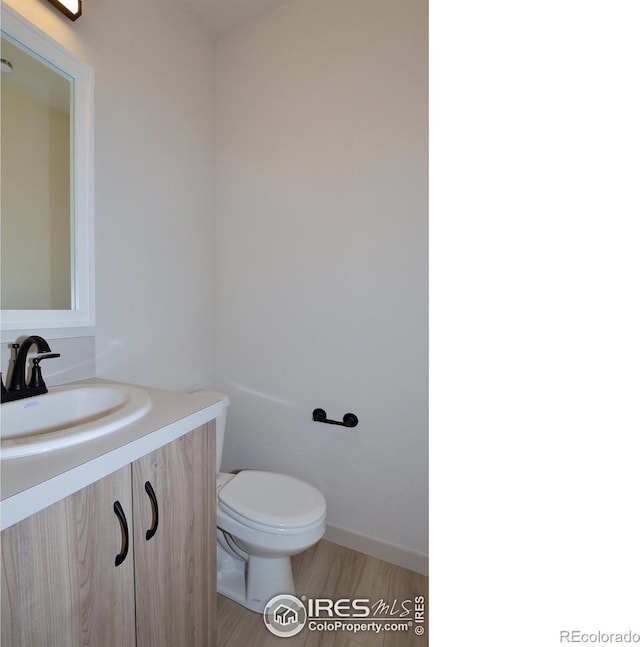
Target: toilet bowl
<point x="263" y="519"/>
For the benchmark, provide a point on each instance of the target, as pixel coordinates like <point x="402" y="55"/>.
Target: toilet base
<point x="254" y="581"/>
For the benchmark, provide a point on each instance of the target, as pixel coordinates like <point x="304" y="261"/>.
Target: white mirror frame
<point x="82" y="313"/>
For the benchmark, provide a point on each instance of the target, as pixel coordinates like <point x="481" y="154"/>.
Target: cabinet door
<point x="60" y="585"/>
<point x="175" y="570"/>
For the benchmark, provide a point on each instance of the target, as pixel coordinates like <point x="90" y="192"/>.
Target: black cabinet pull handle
<point x="122" y="555"/>
<point x="348" y="420"/>
<point x="154" y="507"/>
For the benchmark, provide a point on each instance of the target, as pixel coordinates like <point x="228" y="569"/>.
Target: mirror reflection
<point x="37" y="204"/>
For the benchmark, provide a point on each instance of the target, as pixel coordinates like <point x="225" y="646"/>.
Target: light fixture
<point x="72" y="9"/>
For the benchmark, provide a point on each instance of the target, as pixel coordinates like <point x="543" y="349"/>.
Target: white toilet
<point x="263" y="519"/>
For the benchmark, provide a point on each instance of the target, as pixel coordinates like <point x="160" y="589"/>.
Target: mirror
<point x="47" y="182"/>
<point x="36" y="183"/>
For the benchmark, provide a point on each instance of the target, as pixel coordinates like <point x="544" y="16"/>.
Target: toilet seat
<point x="264" y="500"/>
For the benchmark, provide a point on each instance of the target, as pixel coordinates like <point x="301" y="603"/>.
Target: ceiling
<point x="219" y="17"/>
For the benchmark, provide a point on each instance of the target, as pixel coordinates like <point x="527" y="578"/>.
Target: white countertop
<point x="31" y="483"/>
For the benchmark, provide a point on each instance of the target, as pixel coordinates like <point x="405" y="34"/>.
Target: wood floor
<point x="331" y="571"/>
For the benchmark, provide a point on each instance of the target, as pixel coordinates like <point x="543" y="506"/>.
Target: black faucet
<point x="18" y="387"/>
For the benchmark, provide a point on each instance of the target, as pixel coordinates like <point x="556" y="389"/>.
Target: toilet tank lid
<point x="273" y="499"/>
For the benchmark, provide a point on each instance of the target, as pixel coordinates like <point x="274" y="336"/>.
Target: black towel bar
<point x="348" y="420"/>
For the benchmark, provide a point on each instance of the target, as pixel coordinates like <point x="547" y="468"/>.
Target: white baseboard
<point x="404" y="557"/>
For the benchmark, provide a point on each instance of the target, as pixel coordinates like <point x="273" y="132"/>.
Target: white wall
<point x="321" y="251"/>
<point x="153" y="186"/>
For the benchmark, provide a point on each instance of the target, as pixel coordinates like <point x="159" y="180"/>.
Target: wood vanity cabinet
<point x="60" y="585"/>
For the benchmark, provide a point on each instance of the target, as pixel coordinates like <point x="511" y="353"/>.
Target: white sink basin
<point x="68" y="415"/>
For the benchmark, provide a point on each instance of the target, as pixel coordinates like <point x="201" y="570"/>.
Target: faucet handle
<point x="36" y="381"/>
<point x="46" y="356"/>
